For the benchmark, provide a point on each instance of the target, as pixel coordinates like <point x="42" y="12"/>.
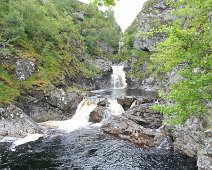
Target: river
<point x="76" y="144"/>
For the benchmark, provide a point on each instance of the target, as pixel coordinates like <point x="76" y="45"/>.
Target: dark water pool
<point x="89" y="149"/>
<point x="117" y="93"/>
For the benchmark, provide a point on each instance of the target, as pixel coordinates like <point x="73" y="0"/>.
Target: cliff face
<point x="153" y="15"/>
<point x="61" y="49"/>
<point x="193" y="137"/>
<point x="139" y="41"/>
<point x="46" y="64"/>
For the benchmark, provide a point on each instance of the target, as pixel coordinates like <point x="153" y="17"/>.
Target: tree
<point x="105" y="2"/>
<point x="188" y="43"/>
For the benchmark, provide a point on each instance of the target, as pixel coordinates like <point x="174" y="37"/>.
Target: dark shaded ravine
<point x="90" y="149"/>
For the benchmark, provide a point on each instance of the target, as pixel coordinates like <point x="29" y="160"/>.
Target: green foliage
<point x="105" y="2"/>
<point x="142" y="66"/>
<point x="8" y="94"/>
<point x="128" y="44"/>
<point x="148" y="4"/>
<point x="98" y="28"/>
<point x="188" y="43"/>
<point x="48" y="33"/>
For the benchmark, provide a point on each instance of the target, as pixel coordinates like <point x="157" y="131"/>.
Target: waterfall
<point x="114" y="107"/>
<point x="118" y="79"/>
<point x="81" y="117"/>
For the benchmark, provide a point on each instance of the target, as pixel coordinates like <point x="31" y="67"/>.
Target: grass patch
<point x="7" y="94"/>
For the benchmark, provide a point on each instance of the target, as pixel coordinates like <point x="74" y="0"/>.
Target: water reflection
<point x="118" y="93"/>
<point x="90" y="149"/>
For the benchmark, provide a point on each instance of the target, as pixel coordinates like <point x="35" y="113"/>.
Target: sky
<point x="125" y="11"/>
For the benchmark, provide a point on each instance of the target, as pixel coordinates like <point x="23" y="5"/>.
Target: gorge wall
<point x="47" y="66"/>
<point x="137" y="46"/>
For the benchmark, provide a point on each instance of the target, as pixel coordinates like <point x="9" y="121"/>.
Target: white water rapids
<point x="81" y="117"/>
<point x="85" y="107"/>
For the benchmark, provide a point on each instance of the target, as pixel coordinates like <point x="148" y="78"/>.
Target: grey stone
<point x="14" y="122"/>
<point x="189" y="137"/>
<point x="50" y="104"/>
<point x="106" y="47"/>
<point x="24" y="69"/>
<point x="204" y="160"/>
<point x="79" y="15"/>
<point x="129" y="130"/>
<point x="144" y="116"/>
<point x="103" y="65"/>
<point x="97" y="114"/>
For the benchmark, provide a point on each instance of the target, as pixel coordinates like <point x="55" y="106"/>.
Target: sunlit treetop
<point x="105" y="2"/>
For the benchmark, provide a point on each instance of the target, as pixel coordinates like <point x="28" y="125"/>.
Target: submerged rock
<point x="14" y="122"/>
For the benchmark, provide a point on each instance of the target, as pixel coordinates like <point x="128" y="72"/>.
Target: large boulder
<point x="126" y="102"/>
<point x="50" y="104"/>
<point x="144" y="116"/>
<point x="97" y="114"/>
<point x="64" y="100"/>
<point x="129" y="130"/>
<point x="14" y="122"/>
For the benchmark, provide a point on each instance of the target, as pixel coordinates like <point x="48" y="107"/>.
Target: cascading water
<point x="81" y="117"/>
<point x="89" y="148"/>
<point x="118" y="79"/>
<point x="114" y="107"/>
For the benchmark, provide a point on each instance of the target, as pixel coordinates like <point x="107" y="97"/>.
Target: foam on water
<point x="81" y="117"/>
<point x="28" y="138"/>
<point x="115" y="108"/>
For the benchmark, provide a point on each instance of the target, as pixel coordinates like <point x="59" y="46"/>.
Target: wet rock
<point x="103" y="103"/>
<point x="24" y="69"/>
<point x="129" y="130"/>
<point x="144" y="116"/>
<point x="97" y="115"/>
<point x="189" y="137"/>
<point x="14" y="122"/>
<point x="164" y="141"/>
<point x="50" y="104"/>
<point x="126" y="102"/>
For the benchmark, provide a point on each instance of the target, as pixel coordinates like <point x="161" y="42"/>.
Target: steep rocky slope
<point x="137" y="46"/>
<point x="51" y="52"/>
